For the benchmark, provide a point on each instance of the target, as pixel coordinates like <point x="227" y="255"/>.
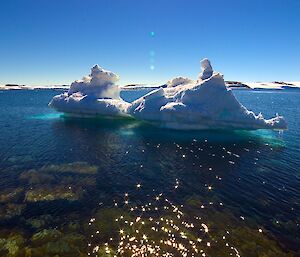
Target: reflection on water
<point x="48" y="116"/>
<point x="101" y="187"/>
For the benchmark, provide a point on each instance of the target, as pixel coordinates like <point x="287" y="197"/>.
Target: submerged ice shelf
<point x="205" y="103"/>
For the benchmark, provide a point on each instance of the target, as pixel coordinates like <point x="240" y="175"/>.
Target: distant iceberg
<point x="205" y="103"/>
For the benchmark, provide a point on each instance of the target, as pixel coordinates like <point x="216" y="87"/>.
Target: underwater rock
<point x="11" y="195"/>
<point x="59" y="247"/>
<point x="36" y="177"/>
<point x="20" y="158"/>
<point x="11" y="210"/>
<point x="73" y="226"/>
<point x="51" y="242"/>
<point x="74" y="167"/>
<point x="53" y="193"/>
<point x="77" y="174"/>
<point x="44" y="236"/>
<point x="105" y="251"/>
<point x="245" y="237"/>
<point x="105" y="220"/>
<point x="39" y="222"/>
<point x="11" y="246"/>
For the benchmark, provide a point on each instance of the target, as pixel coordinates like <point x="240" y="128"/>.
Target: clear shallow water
<point x="75" y="187"/>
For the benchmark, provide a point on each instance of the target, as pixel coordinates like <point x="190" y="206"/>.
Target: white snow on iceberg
<point x="179" y="81"/>
<point x="95" y="94"/>
<point x="204" y="104"/>
<point x="184" y="104"/>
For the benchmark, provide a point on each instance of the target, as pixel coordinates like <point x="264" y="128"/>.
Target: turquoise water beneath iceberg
<point x="105" y="187"/>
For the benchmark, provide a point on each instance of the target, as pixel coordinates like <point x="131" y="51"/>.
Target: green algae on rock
<point x="50" y="242"/>
<point x="11" y="195"/>
<point x="53" y="193"/>
<point x="248" y="239"/>
<point x="11" y="210"/>
<point x="11" y="246"/>
<point x="39" y="222"/>
<point x="45" y="236"/>
<point x="74" y="167"/>
<point x="34" y="177"/>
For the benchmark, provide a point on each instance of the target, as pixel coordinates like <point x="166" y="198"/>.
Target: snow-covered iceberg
<point x="204" y="104"/>
<point x="179" y="81"/>
<point x="95" y="94"/>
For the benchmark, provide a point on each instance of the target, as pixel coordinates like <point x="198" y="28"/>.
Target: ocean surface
<point x="105" y="187"/>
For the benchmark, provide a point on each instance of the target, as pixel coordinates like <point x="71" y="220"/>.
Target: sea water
<point x="105" y="187"/>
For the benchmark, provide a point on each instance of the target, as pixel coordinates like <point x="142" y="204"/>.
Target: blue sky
<point x="57" y="41"/>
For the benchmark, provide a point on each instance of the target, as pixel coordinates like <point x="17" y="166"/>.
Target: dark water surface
<point x="94" y="187"/>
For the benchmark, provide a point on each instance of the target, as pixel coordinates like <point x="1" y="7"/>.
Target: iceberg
<point x="95" y="94"/>
<point x="204" y="104"/>
<point x="186" y="104"/>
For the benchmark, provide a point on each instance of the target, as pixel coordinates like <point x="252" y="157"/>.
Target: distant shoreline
<point x="276" y="85"/>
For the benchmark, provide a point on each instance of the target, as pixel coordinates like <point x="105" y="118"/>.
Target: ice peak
<point x="96" y="69"/>
<point x="100" y="76"/>
<point x="206" y="69"/>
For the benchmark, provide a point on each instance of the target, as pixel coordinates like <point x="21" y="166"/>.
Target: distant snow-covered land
<point x="276" y="85"/>
<point x="25" y="87"/>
